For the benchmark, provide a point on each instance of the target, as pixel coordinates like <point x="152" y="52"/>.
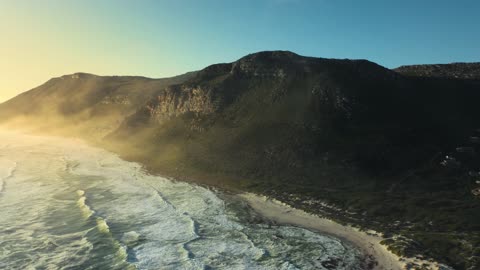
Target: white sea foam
<point x="86" y="211"/>
<point x="102" y="225"/>
<point x="130" y="237"/>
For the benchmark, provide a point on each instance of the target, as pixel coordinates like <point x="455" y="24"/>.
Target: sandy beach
<point x="369" y="243"/>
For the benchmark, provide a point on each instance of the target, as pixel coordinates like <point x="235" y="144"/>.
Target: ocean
<point x="67" y="205"/>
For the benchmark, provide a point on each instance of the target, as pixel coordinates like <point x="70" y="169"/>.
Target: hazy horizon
<point x="45" y="39"/>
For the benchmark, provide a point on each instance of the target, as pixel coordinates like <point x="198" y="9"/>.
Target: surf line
<point x="102" y="226"/>
<point x="87" y="212"/>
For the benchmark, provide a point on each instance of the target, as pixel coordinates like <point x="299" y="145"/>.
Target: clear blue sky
<point x="157" y="38"/>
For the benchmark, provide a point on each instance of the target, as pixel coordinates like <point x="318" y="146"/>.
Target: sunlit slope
<point x="93" y="104"/>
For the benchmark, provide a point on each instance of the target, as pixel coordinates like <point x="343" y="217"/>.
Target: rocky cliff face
<point x="180" y="99"/>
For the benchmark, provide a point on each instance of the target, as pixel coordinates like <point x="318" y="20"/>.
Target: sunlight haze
<point x="240" y="134"/>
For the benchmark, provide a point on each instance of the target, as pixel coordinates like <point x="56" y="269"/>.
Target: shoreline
<point x="367" y="242"/>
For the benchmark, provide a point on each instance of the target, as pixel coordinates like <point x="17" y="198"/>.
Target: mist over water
<point x="66" y="205"/>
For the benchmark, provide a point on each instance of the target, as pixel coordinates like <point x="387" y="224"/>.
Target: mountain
<point x="395" y="150"/>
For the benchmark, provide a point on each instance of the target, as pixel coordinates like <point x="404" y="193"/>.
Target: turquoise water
<point x="65" y="205"/>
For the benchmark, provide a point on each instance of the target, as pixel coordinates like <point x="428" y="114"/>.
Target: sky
<point x="41" y="39"/>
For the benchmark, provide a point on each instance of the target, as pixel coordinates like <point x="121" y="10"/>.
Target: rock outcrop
<point x="179" y="99"/>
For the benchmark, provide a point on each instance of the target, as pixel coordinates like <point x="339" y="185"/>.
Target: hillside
<point x="395" y="152"/>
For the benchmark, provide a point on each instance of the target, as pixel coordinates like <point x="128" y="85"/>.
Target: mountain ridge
<point x="458" y="70"/>
<point x="305" y="130"/>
